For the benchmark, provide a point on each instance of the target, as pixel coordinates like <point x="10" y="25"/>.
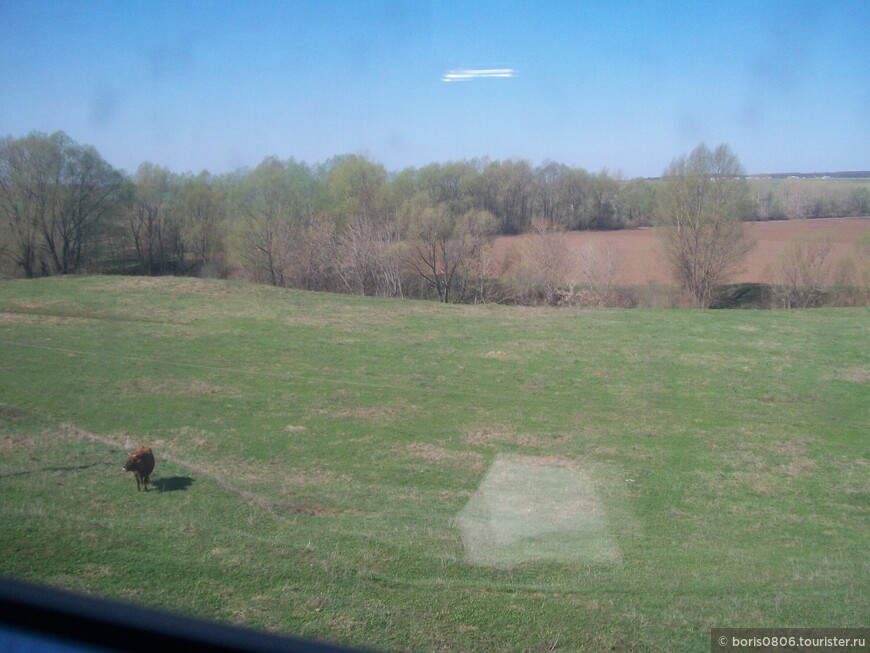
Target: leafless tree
<point x="446" y="252"/>
<point x="369" y="260"/>
<point x="599" y="269"/>
<point x="701" y="205"/>
<point x="542" y="269"/>
<point x="800" y="272"/>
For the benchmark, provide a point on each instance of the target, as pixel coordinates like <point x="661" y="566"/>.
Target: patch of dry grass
<point x="852" y="375"/>
<point x="434" y="454"/>
<point x="493" y="435"/>
<point x="170" y="387"/>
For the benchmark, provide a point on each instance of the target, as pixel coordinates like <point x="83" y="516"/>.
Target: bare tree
<point x="542" y="271"/>
<point x="313" y="257"/>
<point x="700" y="210"/>
<point x="474" y="235"/>
<point x="446" y="251"/>
<point x="599" y="268"/>
<point x="862" y="254"/>
<point x="800" y="272"/>
<point x="433" y="253"/>
<point x="369" y="262"/>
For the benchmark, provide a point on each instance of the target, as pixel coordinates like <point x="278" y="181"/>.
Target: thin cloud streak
<point x="469" y="74"/>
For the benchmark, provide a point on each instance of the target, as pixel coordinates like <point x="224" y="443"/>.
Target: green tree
<point x="561" y="195"/>
<point x="273" y="204"/>
<point x="638" y="202"/>
<point x="55" y="195"/>
<point x="700" y="209"/>
<point x="147" y="217"/>
<point x="355" y="186"/>
<point x="88" y="193"/>
<point x="200" y="210"/>
<point x="20" y="206"/>
<point x="603" y="200"/>
<point x="507" y="191"/>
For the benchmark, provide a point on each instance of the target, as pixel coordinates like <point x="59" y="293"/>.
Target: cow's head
<point x="134" y="460"/>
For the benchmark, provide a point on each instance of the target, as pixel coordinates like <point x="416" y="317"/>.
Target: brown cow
<point x="141" y="463"/>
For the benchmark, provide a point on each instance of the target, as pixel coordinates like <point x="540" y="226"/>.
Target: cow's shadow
<point x="172" y="483"/>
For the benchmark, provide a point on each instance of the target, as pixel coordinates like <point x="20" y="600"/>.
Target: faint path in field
<point x="276" y="508"/>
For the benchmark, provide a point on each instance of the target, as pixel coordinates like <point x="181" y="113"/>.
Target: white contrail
<point x="468" y="74"/>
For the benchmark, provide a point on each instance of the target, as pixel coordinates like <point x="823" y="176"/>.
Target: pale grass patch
<point x="314" y="477"/>
<point x="28" y="318"/>
<point x="431" y="453"/>
<point x="179" y="388"/>
<point x="121" y="440"/>
<point x="798" y="467"/>
<point x="749" y="467"/>
<point x="146" y="283"/>
<point x="630" y="453"/>
<point x="708" y="359"/>
<point x="369" y="413"/>
<point x="382" y="413"/>
<point x="200" y="438"/>
<point x="528" y="509"/>
<point x="501" y="355"/>
<point x="169" y="286"/>
<point x="794" y="447"/>
<point x="490" y="435"/>
<point x="10" y="445"/>
<point x="852" y="375"/>
<point x="97" y="571"/>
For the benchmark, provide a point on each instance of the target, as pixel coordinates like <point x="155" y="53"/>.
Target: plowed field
<point x="640" y="259"/>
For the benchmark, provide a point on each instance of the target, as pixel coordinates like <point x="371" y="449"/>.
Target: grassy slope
<point x="315" y="451"/>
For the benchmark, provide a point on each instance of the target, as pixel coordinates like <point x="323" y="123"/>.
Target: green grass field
<point x="400" y="474"/>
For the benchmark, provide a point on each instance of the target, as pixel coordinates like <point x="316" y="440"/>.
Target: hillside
<point x="408" y="475"/>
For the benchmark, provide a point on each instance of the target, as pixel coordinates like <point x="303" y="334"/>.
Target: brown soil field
<point x="640" y="259"/>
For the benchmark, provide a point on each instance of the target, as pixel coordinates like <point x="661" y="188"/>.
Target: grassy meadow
<point x="408" y="475"/>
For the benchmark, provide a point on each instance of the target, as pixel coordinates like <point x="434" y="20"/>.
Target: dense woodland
<point x="345" y="225"/>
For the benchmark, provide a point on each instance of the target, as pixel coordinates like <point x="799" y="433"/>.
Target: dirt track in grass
<point x="641" y="261"/>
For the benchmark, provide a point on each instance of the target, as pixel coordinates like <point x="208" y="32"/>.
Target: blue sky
<point x="628" y="86"/>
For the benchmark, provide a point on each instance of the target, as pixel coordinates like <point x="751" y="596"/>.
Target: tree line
<point x="345" y="225"/>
